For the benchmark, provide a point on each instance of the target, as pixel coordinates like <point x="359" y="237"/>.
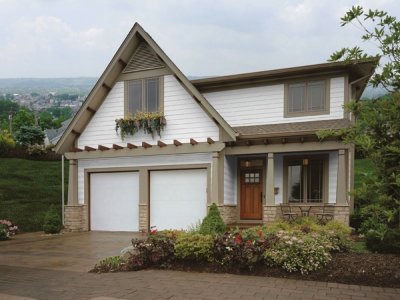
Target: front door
<point x="251" y="193"/>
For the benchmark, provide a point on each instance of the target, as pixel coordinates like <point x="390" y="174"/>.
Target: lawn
<point x="27" y="189"/>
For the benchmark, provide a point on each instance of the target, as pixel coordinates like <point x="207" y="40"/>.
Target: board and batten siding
<point x="265" y="104"/>
<point x="185" y="119"/>
<point x="332" y="180"/>
<point x="135" y="162"/>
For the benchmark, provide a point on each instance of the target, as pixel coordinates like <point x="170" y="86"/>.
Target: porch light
<point x="305" y="162"/>
<point x="247" y="163"/>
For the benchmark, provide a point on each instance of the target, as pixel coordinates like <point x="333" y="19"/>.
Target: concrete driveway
<point x="37" y="266"/>
<point x="69" y="251"/>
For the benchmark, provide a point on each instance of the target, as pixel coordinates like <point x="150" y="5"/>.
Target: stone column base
<point x="228" y="213"/>
<point x="270" y="214"/>
<point x="341" y="213"/>
<point x="143" y="218"/>
<point x="76" y="218"/>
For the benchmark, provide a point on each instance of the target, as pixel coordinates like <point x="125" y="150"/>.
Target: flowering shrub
<point x="110" y="264"/>
<point x="150" y="122"/>
<point x="157" y="249"/>
<point x="297" y="251"/>
<point x="194" y="246"/>
<point x="7" y="229"/>
<point x="241" y="249"/>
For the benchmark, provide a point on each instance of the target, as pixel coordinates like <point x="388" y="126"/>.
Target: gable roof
<point x="116" y="66"/>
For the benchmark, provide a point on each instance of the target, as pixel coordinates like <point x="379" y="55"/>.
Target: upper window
<point x="306" y="98"/>
<point x="143" y="95"/>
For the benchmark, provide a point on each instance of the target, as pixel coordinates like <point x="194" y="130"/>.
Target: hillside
<point x="27" y="189"/>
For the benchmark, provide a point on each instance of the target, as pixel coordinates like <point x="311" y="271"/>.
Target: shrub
<point x="7" y="229"/>
<point x="296" y="251"/>
<point x="30" y="135"/>
<point x="241" y="249"/>
<point x="387" y="241"/>
<point x="6" y="142"/>
<point x="212" y="223"/>
<point x="156" y="250"/>
<point x="194" y="246"/>
<point x="110" y="264"/>
<point x="36" y="150"/>
<point x="52" y="222"/>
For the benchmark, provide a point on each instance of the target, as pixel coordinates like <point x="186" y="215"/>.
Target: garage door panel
<point x="178" y="198"/>
<point x="114" y="201"/>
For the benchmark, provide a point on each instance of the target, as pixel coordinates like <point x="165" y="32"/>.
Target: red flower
<point x="238" y="239"/>
<point x="153" y="231"/>
<point x="260" y="234"/>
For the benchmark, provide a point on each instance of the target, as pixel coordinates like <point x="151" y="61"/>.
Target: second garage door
<point x="178" y="198"/>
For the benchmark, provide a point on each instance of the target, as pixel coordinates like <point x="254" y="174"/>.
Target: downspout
<point x="62" y="189"/>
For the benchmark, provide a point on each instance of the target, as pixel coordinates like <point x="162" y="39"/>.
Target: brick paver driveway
<point x="40" y="267"/>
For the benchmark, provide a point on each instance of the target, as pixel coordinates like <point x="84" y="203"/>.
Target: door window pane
<point x="295" y="183"/>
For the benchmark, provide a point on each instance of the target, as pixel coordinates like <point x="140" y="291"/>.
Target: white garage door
<point x="178" y="198"/>
<point x="114" y="201"/>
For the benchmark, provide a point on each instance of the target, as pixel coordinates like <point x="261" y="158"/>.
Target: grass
<point x="358" y="247"/>
<point x="27" y="189"/>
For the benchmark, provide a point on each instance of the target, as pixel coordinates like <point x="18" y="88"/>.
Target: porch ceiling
<point x="290" y="129"/>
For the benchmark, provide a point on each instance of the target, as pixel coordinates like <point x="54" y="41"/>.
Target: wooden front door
<point x="251" y="197"/>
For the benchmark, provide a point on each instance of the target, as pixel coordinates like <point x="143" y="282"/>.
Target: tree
<point x="382" y="29"/>
<point x="30" y="135"/>
<point x="22" y="118"/>
<point x="6" y="141"/>
<point x="46" y="120"/>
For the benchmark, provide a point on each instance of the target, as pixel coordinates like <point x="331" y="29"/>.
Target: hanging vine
<point x="149" y="122"/>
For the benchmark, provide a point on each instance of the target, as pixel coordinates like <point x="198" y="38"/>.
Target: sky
<point x="77" y="38"/>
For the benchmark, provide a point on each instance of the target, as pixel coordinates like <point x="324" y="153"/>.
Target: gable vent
<point x="143" y="59"/>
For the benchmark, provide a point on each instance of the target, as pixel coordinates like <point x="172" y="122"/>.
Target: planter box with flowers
<point x="7" y="229"/>
<point x="149" y="122"/>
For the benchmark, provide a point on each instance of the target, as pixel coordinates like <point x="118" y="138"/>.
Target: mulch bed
<point x="381" y="270"/>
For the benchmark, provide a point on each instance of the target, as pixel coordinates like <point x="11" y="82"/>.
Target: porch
<point x="256" y="186"/>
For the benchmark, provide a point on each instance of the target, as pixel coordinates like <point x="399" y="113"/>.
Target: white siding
<point x="138" y="161"/>
<point x="185" y="119"/>
<point x="332" y="180"/>
<point x="230" y="180"/>
<point x="265" y="105"/>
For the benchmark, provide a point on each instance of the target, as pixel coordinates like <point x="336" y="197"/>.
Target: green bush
<point x="6" y="142"/>
<point x="194" y="246"/>
<point x="387" y="241"/>
<point x="212" y="223"/>
<point x="296" y="251"/>
<point x="52" y="222"/>
<point x="3" y="233"/>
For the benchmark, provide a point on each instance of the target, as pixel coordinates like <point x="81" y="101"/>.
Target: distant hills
<point x="83" y="85"/>
<point x="79" y="85"/>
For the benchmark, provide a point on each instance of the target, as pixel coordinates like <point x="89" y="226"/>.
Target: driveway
<point x="36" y="266"/>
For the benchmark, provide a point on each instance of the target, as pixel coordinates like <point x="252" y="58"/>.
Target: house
<point x="246" y="142"/>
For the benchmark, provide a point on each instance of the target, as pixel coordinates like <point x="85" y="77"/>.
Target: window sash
<point x="143" y="95"/>
<point x="306" y="97"/>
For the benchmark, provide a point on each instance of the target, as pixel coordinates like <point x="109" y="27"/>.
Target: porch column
<point x="341" y="187"/>
<point x="144" y="200"/>
<point x="269" y="190"/>
<point x="73" y="182"/>
<point x="217" y="178"/>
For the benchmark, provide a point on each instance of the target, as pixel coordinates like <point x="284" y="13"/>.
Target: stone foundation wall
<point x="228" y="213"/>
<point x="341" y="213"/>
<point x="143" y="218"/>
<point x="76" y="218"/>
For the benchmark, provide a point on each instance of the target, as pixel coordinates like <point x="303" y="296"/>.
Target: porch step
<point x="242" y="225"/>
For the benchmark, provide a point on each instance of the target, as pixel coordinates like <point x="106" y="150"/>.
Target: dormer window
<point x="143" y="95"/>
<point x="307" y="98"/>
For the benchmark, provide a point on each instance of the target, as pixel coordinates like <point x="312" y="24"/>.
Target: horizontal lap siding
<point x="185" y="119"/>
<point x="230" y="180"/>
<point x="138" y="161"/>
<point x="265" y="105"/>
